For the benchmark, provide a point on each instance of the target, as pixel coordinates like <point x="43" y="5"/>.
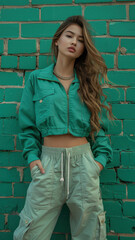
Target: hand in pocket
<point x="37" y="163"/>
<point x="100" y="165"/>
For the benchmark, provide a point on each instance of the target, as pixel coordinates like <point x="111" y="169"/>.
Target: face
<point x="71" y="43"/>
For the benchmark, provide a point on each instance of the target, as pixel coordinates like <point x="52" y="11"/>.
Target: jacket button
<point x="26" y="221"/>
<point x="41" y="101"/>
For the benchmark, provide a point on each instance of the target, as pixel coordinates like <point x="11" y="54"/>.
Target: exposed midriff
<point x="65" y="140"/>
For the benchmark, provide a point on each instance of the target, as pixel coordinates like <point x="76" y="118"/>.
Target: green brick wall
<point x="26" y="30"/>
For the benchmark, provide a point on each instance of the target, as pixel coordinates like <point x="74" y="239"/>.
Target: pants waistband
<point x="71" y="151"/>
<point x="75" y="150"/>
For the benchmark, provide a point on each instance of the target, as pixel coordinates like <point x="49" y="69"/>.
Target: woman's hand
<point x="39" y="164"/>
<point x="100" y="165"/>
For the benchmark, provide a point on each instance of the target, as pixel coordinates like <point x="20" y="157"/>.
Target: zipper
<point x="68" y="113"/>
<point x="67" y="103"/>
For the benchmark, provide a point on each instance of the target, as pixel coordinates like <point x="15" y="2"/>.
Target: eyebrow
<point x="74" y="33"/>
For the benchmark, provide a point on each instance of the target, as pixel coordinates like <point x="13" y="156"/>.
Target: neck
<point x="64" y="67"/>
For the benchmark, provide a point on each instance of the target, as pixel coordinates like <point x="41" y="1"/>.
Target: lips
<point x="71" y="49"/>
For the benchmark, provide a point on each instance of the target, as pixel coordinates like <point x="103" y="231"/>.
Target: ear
<point x="56" y="43"/>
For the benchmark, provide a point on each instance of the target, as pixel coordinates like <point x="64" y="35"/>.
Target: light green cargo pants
<point x="71" y="177"/>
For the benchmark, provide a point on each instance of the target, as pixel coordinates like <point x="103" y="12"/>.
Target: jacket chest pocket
<point x="43" y="103"/>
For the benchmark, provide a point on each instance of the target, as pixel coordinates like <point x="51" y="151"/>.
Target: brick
<point x="112" y="238"/>
<point x="39" y="29"/>
<point x="131" y="191"/>
<point x="129" y="126"/>
<point x="19" y="14"/>
<point x="128" y="159"/>
<point x="124" y="111"/>
<point x="126" y="238"/>
<point x="126" y="62"/>
<point x="9" y="175"/>
<point x="50" y="2"/>
<point x="130" y="94"/>
<point x="2" y="92"/>
<point x="92" y="1"/>
<point x="113" y="191"/>
<point x="58" y="237"/>
<point x="6" y="235"/>
<point x="44" y="61"/>
<point x="116" y="160"/>
<point x="9" y="62"/>
<point x="45" y="46"/>
<point x="13" y="94"/>
<point x="122" y="225"/>
<point x="8" y="110"/>
<point x="59" y="13"/>
<point x="113" y="208"/>
<point x="121" y="78"/>
<point x="129" y="209"/>
<point x="6" y="189"/>
<point x="14" y="2"/>
<point x="27" y="75"/>
<point x="9" y="205"/>
<point x="129" y="44"/>
<point x="6" y="142"/>
<point x="9" y="126"/>
<point x="13" y="221"/>
<point x="18" y="144"/>
<point x="26" y="175"/>
<point x="9" y="30"/>
<point x="98" y="28"/>
<point x="114" y="95"/>
<point x="109" y="60"/>
<point x="1" y="46"/>
<point x="123" y="0"/>
<point x="69" y="237"/>
<point x="12" y="159"/>
<point x="123" y="142"/>
<point x="27" y="62"/>
<point x="122" y="28"/>
<point x="115" y="127"/>
<point x="132" y="12"/>
<point x="108" y="176"/>
<point x="109" y="45"/>
<point x="64" y="217"/>
<point x="21" y="46"/>
<point x="2" y="222"/>
<point x="11" y="78"/>
<point x="20" y="189"/>
<point x="126" y="175"/>
<point x="105" y="12"/>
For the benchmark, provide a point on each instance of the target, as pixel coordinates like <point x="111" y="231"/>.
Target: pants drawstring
<point x="68" y="173"/>
<point x="62" y="178"/>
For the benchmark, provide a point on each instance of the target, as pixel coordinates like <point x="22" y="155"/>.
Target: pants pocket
<point x="23" y="227"/>
<point x="101" y="229"/>
<point x="40" y="189"/>
<point x="94" y="162"/>
<point x="34" y="170"/>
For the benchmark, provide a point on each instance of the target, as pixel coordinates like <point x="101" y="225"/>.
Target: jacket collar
<point x="47" y="74"/>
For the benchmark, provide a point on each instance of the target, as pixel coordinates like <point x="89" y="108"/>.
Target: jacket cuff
<point x="32" y="157"/>
<point x="101" y="159"/>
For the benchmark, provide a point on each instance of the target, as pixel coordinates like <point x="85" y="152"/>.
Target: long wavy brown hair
<point x="91" y="71"/>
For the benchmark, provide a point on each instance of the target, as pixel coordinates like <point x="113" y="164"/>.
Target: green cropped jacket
<point x="46" y="109"/>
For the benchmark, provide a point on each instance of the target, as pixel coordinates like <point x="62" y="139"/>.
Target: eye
<point x="81" y="41"/>
<point x="69" y="36"/>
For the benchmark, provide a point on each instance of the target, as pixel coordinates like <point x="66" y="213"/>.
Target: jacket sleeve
<point x="101" y="147"/>
<point x="30" y="137"/>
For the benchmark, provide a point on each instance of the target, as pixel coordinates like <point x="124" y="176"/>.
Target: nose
<point x="74" y="41"/>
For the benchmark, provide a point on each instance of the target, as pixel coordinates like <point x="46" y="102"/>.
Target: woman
<point x="64" y="116"/>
